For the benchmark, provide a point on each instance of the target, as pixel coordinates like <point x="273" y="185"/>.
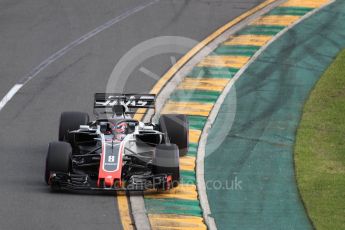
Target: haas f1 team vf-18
<point x="117" y="152"/>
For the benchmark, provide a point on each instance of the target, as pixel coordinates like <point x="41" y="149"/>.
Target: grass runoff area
<point x="320" y="149"/>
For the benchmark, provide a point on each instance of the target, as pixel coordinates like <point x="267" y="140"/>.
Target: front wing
<point x="82" y="182"/>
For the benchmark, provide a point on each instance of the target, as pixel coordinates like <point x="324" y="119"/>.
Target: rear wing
<point x="132" y="102"/>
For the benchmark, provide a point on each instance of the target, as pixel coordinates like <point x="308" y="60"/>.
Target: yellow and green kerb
<point x="196" y="96"/>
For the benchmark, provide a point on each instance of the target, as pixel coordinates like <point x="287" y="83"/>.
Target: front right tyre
<point x="58" y="159"/>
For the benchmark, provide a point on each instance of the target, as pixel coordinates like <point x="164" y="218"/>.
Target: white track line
<point x="9" y="95"/>
<point x="44" y="64"/>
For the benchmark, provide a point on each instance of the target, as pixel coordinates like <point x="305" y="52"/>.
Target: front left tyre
<point x="177" y="129"/>
<point x="58" y="159"/>
<point x="166" y="161"/>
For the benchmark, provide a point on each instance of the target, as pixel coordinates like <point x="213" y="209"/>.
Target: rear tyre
<point x="166" y="161"/>
<point x="70" y="121"/>
<point x="58" y="159"/>
<point x="177" y="128"/>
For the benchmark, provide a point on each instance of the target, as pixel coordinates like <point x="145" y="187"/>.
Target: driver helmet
<point x="121" y="131"/>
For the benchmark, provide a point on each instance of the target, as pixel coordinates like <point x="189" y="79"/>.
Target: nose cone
<point x="109" y="182"/>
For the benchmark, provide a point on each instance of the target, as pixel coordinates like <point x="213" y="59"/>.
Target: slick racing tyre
<point x="166" y="161"/>
<point x="177" y="129"/>
<point x="58" y="159"/>
<point x="70" y="121"/>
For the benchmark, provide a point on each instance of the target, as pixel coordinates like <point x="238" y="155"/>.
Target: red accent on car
<point x="169" y="182"/>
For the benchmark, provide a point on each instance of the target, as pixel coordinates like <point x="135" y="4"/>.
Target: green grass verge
<point x="320" y="149"/>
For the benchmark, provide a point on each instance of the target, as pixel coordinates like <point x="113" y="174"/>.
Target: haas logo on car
<point x="132" y="101"/>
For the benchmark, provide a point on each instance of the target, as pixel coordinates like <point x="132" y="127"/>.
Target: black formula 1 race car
<point x="117" y="152"/>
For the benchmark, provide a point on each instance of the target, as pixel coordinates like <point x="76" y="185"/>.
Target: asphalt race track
<point x="31" y="31"/>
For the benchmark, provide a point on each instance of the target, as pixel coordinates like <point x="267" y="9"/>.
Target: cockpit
<point x="119" y="129"/>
